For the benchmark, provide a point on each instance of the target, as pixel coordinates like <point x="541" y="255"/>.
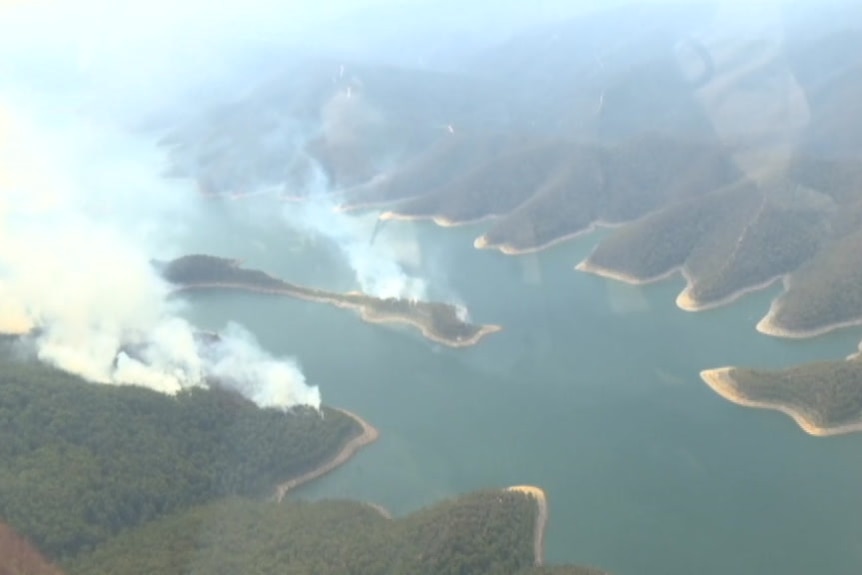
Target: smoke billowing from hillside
<point x="82" y="209"/>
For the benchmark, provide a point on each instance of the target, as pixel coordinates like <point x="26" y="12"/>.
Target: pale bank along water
<point x="591" y="392"/>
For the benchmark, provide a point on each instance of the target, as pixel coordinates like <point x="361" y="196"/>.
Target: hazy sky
<point x="150" y="36"/>
<point x="92" y="32"/>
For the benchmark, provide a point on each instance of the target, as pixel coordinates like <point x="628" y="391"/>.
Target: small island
<point x="440" y="322"/>
<point x="823" y="398"/>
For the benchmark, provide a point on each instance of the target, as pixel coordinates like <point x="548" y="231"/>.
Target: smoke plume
<point x="82" y="211"/>
<point x="376" y="265"/>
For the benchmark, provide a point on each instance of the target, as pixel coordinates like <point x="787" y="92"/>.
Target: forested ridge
<point x="482" y="533"/>
<point x="727" y="241"/>
<point x="81" y="462"/>
<point x="547" y="190"/>
<point x="826" y="291"/>
<point x="125" y="480"/>
<point x="827" y="393"/>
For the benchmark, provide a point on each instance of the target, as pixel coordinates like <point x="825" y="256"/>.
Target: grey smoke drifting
<point x="82" y="211"/>
<point x="377" y="265"/>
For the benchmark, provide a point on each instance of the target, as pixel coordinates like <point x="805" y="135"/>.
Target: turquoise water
<point x="591" y="392"/>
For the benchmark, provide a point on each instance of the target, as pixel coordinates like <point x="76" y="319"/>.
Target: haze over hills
<point x="727" y="151"/>
<point x="724" y="147"/>
<point x="654" y="123"/>
<point x="720" y="141"/>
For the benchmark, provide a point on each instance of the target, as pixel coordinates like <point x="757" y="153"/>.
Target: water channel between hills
<point x="591" y="392"/>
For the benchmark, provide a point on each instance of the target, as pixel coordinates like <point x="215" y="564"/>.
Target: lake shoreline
<point x="768" y="326"/>
<point x="721" y="381"/>
<point x="365" y="313"/>
<point x="684" y="300"/>
<point x="368" y="434"/>
<point x="440" y="221"/>
<point x="482" y="243"/>
<point x="541" y="523"/>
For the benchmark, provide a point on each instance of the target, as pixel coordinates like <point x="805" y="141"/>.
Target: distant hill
<point x="603" y="76"/>
<point x="726" y="242"/>
<point x="731" y="154"/>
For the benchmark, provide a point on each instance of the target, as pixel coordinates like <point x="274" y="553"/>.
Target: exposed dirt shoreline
<point x="684" y="301"/>
<point x="482" y="242"/>
<point x="367" y="436"/>
<point x="767" y="325"/>
<point x="441" y="221"/>
<point x="721" y="381"/>
<point x="541" y="519"/>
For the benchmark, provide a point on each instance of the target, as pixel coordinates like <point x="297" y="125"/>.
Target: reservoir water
<point x="590" y="392"/>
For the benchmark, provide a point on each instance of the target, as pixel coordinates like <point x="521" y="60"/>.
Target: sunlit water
<point x="591" y="392"/>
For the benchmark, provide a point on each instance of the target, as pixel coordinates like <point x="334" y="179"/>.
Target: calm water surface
<point x="591" y="392"/>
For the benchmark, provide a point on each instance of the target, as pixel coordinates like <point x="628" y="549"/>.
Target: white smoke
<point x="376" y="265"/>
<point x="346" y="116"/>
<point x="269" y="382"/>
<point x="81" y="210"/>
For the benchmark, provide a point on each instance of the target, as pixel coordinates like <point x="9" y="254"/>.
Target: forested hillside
<point x="81" y="462"/>
<point x="727" y="241"/>
<point x="484" y="533"/>
<point x="125" y="480"/>
<point x="824" y="397"/>
<point x="824" y="293"/>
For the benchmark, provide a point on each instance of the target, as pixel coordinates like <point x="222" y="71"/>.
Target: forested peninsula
<point x="823" y="398"/>
<point x="440" y="322"/>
